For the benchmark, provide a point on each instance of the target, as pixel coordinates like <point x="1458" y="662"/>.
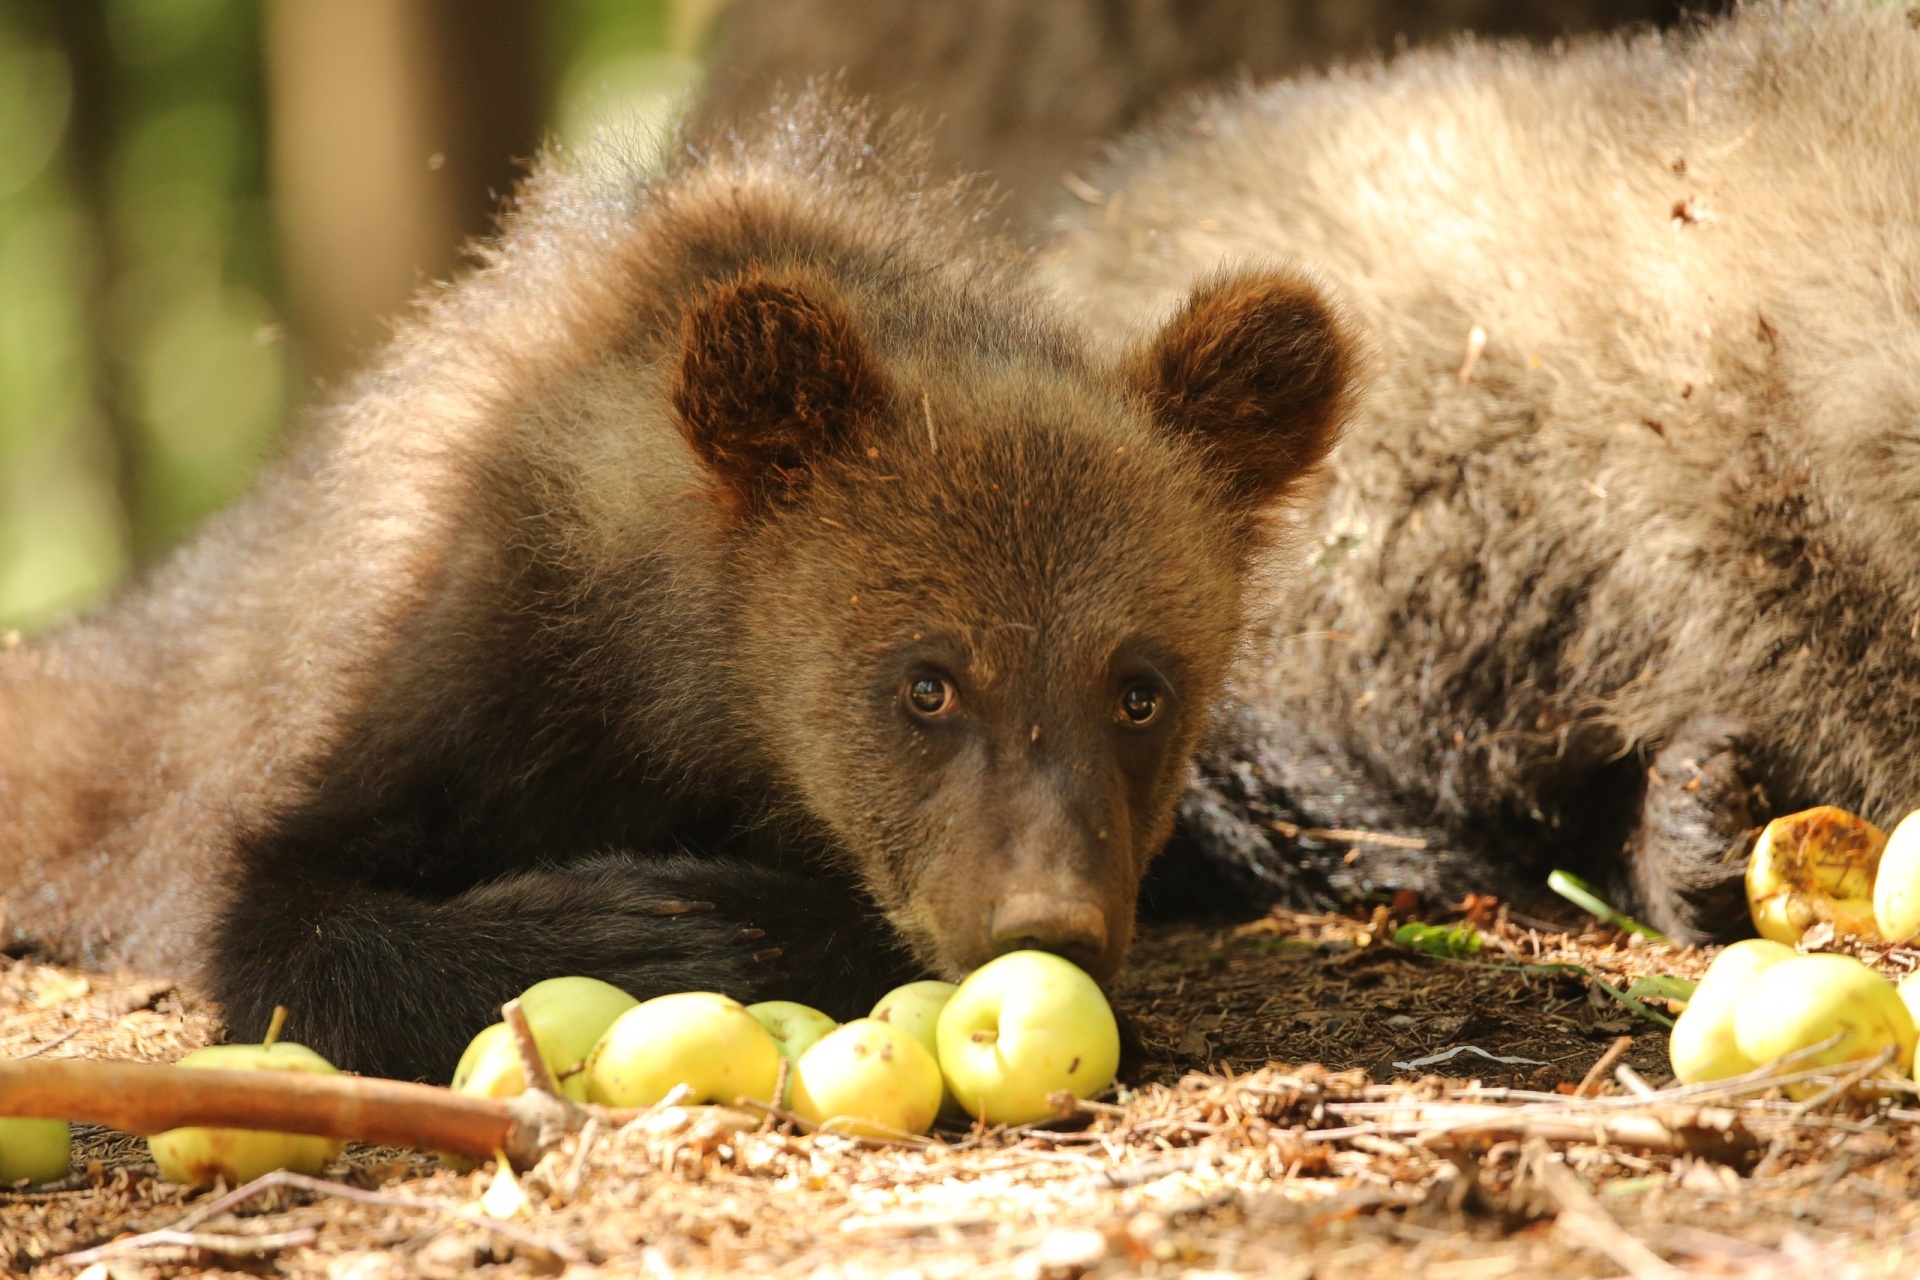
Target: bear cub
<point x="742" y="581"/>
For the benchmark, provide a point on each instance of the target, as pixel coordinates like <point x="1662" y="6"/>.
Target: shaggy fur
<point x="1644" y="569"/>
<point x="584" y="635"/>
<point x="1021" y="89"/>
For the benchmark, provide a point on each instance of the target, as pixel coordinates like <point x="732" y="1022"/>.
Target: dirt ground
<point x="1213" y="1158"/>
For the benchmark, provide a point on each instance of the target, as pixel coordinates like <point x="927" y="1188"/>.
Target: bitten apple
<point x="1022" y="1027"/>
<point x="1702" y="1046"/>
<point x="1813" y="866"/>
<point x="1800" y="1002"/>
<point x="34" y="1150"/>
<point x="201" y="1156"/>
<point x="869" y="1078"/>
<point x="701" y="1039"/>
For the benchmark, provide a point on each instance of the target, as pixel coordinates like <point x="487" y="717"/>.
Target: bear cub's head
<point x="989" y="586"/>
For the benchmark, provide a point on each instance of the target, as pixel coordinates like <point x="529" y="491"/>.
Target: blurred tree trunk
<point x="397" y="126"/>
<point x="92" y="130"/>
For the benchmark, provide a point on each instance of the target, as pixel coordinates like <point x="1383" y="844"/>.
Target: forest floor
<point x="1285" y="1112"/>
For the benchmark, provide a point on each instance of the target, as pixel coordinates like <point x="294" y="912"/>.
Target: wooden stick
<point x="1597" y="1073"/>
<point x="533" y="1064"/>
<point x="143" y="1098"/>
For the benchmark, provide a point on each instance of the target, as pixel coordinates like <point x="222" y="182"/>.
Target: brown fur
<point x="577" y="637"/>
<point x="1021" y="89"/>
<point x="1645" y="570"/>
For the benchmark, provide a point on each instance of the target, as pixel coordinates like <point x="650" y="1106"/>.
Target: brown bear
<point x="741" y="581"/>
<point x="1621" y="553"/>
<point x="1023" y="89"/>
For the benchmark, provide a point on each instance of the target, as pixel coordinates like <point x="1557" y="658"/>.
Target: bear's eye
<point x="1140" y="703"/>
<point x="930" y="697"/>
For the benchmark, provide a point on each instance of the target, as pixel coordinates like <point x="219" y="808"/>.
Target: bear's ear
<point x="774" y="377"/>
<point x="1257" y="370"/>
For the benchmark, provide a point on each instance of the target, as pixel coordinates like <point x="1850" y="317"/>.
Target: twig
<point x="320" y="1186"/>
<point x="1866" y="1068"/>
<point x="1589" y="1223"/>
<point x="1349" y="835"/>
<point x="1633" y="1082"/>
<point x="225" y="1243"/>
<point x="54" y="1043"/>
<point x="1597" y="1073"/>
<point x="143" y="1098"/>
<point x="533" y="1064"/>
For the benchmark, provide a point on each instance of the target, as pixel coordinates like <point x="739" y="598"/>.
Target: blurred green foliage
<point x="144" y="368"/>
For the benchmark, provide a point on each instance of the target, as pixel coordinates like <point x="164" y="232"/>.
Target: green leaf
<point x="1452" y="943"/>
<point x="1662" y="986"/>
<point x="1581" y="894"/>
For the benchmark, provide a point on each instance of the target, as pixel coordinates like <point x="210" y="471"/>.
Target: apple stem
<point x="273" y="1028"/>
<point x="533" y="1067"/>
<point x="986" y="1037"/>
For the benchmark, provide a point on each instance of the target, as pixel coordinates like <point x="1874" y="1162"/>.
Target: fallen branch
<point x="142" y="1098"/>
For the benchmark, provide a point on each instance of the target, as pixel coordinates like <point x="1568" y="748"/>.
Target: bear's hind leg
<point x="1697" y="824"/>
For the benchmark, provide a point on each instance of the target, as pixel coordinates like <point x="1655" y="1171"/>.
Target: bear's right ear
<point x="774" y="378"/>
<point x="1257" y="371"/>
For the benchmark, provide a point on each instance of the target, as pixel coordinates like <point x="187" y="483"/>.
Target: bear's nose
<point x="1073" y="928"/>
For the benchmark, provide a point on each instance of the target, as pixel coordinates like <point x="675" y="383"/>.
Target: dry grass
<point x="1214" y="1159"/>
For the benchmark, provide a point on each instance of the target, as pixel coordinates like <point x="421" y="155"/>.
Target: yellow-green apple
<point x="1702" y="1046"/>
<point x="1798" y="1003"/>
<point x="201" y="1156"/>
<point x="1022" y="1027"/>
<point x="1896" y="888"/>
<point x="34" y="1150"/>
<point x="794" y="1028"/>
<point x="869" y="1078"/>
<point x="701" y="1039"/>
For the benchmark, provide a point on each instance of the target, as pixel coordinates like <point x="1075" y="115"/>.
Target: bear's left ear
<point x="774" y="378"/>
<point x="1257" y="370"/>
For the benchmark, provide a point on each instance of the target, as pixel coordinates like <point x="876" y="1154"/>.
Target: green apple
<point x="869" y="1078"/>
<point x="1702" y="1046"/>
<point x="490" y="1068"/>
<point x="575" y="1012"/>
<point x="203" y="1156"/>
<point x="34" y="1150"/>
<point x="1022" y="1027"/>
<point x="567" y="1016"/>
<point x="915" y="1008"/>
<point x="1896" y="888"/>
<point x="1800" y="1002"/>
<point x="794" y="1028"/>
<point x="701" y="1039"/>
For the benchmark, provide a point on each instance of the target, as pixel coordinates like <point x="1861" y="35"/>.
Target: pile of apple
<point x="1762" y="1000"/>
<point x="1019" y="1029"/>
<point x="997" y="1047"/>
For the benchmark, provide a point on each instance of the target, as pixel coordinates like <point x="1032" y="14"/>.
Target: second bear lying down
<point x="1623" y="551"/>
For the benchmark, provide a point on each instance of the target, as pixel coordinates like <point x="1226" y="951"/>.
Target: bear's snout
<point x="1074" y="928"/>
